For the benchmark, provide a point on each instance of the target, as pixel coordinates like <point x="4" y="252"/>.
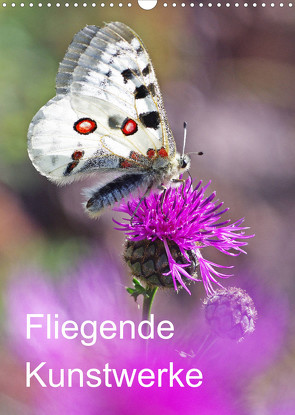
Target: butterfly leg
<point x="115" y="191"/>
<point x="163" y="198"/>
<point x="180" y="181"/>
<point x="164" y="190"/>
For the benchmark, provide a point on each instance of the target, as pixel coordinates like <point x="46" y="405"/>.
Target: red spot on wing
<point x="134" y="155"/>
<point x="125" y="164"/>
<point x="151" y="153"/>
<point x="77" y="155"/>
<point x="85" y="126"/>
<point x="162" y="152"/>
<point x="129" y="127"/>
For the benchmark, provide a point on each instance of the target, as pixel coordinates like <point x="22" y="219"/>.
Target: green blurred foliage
<point x="57" y="256"/>
<point x="25" y="72"/>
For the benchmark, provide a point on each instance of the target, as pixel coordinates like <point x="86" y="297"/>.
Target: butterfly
<point x="107" y="116"/>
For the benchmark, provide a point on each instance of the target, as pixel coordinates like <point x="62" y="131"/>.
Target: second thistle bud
<point x="230" y="313"/>
<point x="148" y="261"/>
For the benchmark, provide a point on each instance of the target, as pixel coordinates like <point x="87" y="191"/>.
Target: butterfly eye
<point x="183" y="163"/>
<point x="129" y="127"/>
<point x="85" y="126"/>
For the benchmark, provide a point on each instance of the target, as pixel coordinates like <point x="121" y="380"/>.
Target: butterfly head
<point x="184" y="162"/>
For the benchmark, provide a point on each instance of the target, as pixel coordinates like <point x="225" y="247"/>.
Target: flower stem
<point x="148" y="299"/>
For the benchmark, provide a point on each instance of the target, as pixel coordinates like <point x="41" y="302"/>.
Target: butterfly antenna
<point x="184" y="137"/>
<point x="199" y="153"/>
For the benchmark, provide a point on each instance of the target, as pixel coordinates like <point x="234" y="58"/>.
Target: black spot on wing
<point x="146" y="70"/>
<point x="141" y="92"/>
<point x="151" y="88"/>
<point x="127" y="74"/>
<point x="150" y="119"/>
<point x="139" y="49"/>
<point x="114" y="122"/>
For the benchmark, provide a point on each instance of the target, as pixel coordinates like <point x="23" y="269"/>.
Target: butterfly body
<point x="107" y="116"/>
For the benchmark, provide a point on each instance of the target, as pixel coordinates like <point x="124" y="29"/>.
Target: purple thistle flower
<point x="186" y="217"/>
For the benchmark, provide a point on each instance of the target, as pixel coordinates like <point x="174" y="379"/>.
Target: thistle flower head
<point x="186" y="217"/>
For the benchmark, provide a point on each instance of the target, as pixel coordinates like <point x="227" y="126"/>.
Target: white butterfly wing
<point x="52" y="147"/>
<point x="112" y="64"/>
<point x="106" y="76"/>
